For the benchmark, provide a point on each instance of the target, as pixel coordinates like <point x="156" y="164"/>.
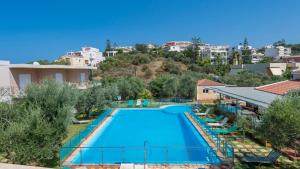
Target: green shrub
<point x="141" y="59"/>
<point x="148" y="73"/>
<point x="144" y="68"/>
<point x="171" y="67"/>
<point x="145" y="94"/>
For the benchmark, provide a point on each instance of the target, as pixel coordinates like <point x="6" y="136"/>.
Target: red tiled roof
<point x="206" y="82"/>
<point x="280" y="88"/>
<point x="291" y="59"/>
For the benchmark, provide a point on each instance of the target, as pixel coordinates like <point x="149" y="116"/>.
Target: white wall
<point x="4" y="74"/>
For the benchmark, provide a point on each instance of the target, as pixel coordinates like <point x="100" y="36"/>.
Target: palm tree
<point x="236" y="58"/>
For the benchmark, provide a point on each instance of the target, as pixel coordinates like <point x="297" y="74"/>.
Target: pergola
<point x="250" y="95"/>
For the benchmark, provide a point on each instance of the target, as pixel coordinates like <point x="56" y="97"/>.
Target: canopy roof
<point x="247" y="94"/>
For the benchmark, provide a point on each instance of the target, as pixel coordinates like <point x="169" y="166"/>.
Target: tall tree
<point x="245" y="43"/>
<point x="280" y="43"/>
<point x="108" y="45"/>
<point x="196" y="42"/>
<point x="246" y="52"/>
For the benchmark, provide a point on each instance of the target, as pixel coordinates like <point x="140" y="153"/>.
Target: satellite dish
<point x="36" y="63"/>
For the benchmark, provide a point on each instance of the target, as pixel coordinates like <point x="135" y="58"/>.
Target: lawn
<point x="152" y="103"/>
<point x="73" y="130"/>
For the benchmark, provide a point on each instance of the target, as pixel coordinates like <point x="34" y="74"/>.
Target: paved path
<point x="15" y="166"/>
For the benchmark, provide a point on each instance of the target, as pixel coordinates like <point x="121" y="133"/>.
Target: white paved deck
<point x="15" y="166"/>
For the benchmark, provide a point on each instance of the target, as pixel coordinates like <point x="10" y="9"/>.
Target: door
<point x="24" y="80"/>
<point x="59" y="77"/>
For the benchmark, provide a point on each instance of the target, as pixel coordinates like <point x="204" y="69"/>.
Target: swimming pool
<point x="151" y="135"/>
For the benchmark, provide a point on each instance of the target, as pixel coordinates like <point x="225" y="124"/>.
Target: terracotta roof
<point x="206" y="82"/>
<point x="280" y="88"/>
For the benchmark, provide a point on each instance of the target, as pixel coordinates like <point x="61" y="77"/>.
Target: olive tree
<point x="95" y="98"/>
<point x="33" y="127"/>
<point x="281" y="121"/>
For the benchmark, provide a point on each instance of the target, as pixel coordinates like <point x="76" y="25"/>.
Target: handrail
<point x="227" y="148"/>
<point x="145" y="154"/>
<point x="69" y="146"/>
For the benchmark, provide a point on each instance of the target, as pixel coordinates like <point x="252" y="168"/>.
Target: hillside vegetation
<point x="151" y="65"/>
<point x="141" y="65"/>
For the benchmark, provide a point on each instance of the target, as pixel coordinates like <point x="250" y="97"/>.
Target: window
<point x="24" y="80"/>
<point x="59" y="77"/>
<point x="205" y="90"/>
<point x="82" y="78"/>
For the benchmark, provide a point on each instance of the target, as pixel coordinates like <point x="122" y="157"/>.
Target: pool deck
<point x="210" y="142"/>
<point x="148" y="166"/>
<point x="88" y="139"/>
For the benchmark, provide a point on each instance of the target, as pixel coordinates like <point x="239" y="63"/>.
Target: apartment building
<point x="277" y="52"/>
<point x="211" y="52"/>
<point x="16" y="77"/>
<point x="257" y="57"/>
<point x="87" y="56"/>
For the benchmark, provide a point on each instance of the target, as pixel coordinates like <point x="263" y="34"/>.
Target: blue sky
<point x="46" y="29"/>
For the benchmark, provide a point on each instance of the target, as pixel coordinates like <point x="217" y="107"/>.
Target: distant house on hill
<point x="87" y="56"/>
<point x="177" y="46"/>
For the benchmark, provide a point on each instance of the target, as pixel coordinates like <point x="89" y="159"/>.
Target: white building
<point x="257" y="57"/>
<point x="93" y="55"/>
<point x="240" y="48"/>
<point x="87" y="56"/>
<point x="124" y="49"/>
<point x="111" y="53"/>
<point x="211" y="52"/>
<point x="177" y="46"/>
<point x="277" y="52"/>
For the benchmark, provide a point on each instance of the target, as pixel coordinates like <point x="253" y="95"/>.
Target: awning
<point x="247" y="94"/>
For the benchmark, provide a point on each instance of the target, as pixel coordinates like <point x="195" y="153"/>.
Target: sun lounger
<point x="75" y="121"/>
<point x="213" y="120"/>
<point x="130" y="103"/>
<point x="139" y="102"/>
<point x="145" y="103"/>
<point x="231" y="129"/>
<point x="205" y="113"/>
<point x="221" y="124"/>
<point x="270" y="159"/>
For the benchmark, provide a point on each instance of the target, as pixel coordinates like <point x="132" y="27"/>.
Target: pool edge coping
<point x="204" y="135"/>
<point x="68" y="160"/>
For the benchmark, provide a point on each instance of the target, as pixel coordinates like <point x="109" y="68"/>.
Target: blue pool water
<point x="153" y="135"/>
